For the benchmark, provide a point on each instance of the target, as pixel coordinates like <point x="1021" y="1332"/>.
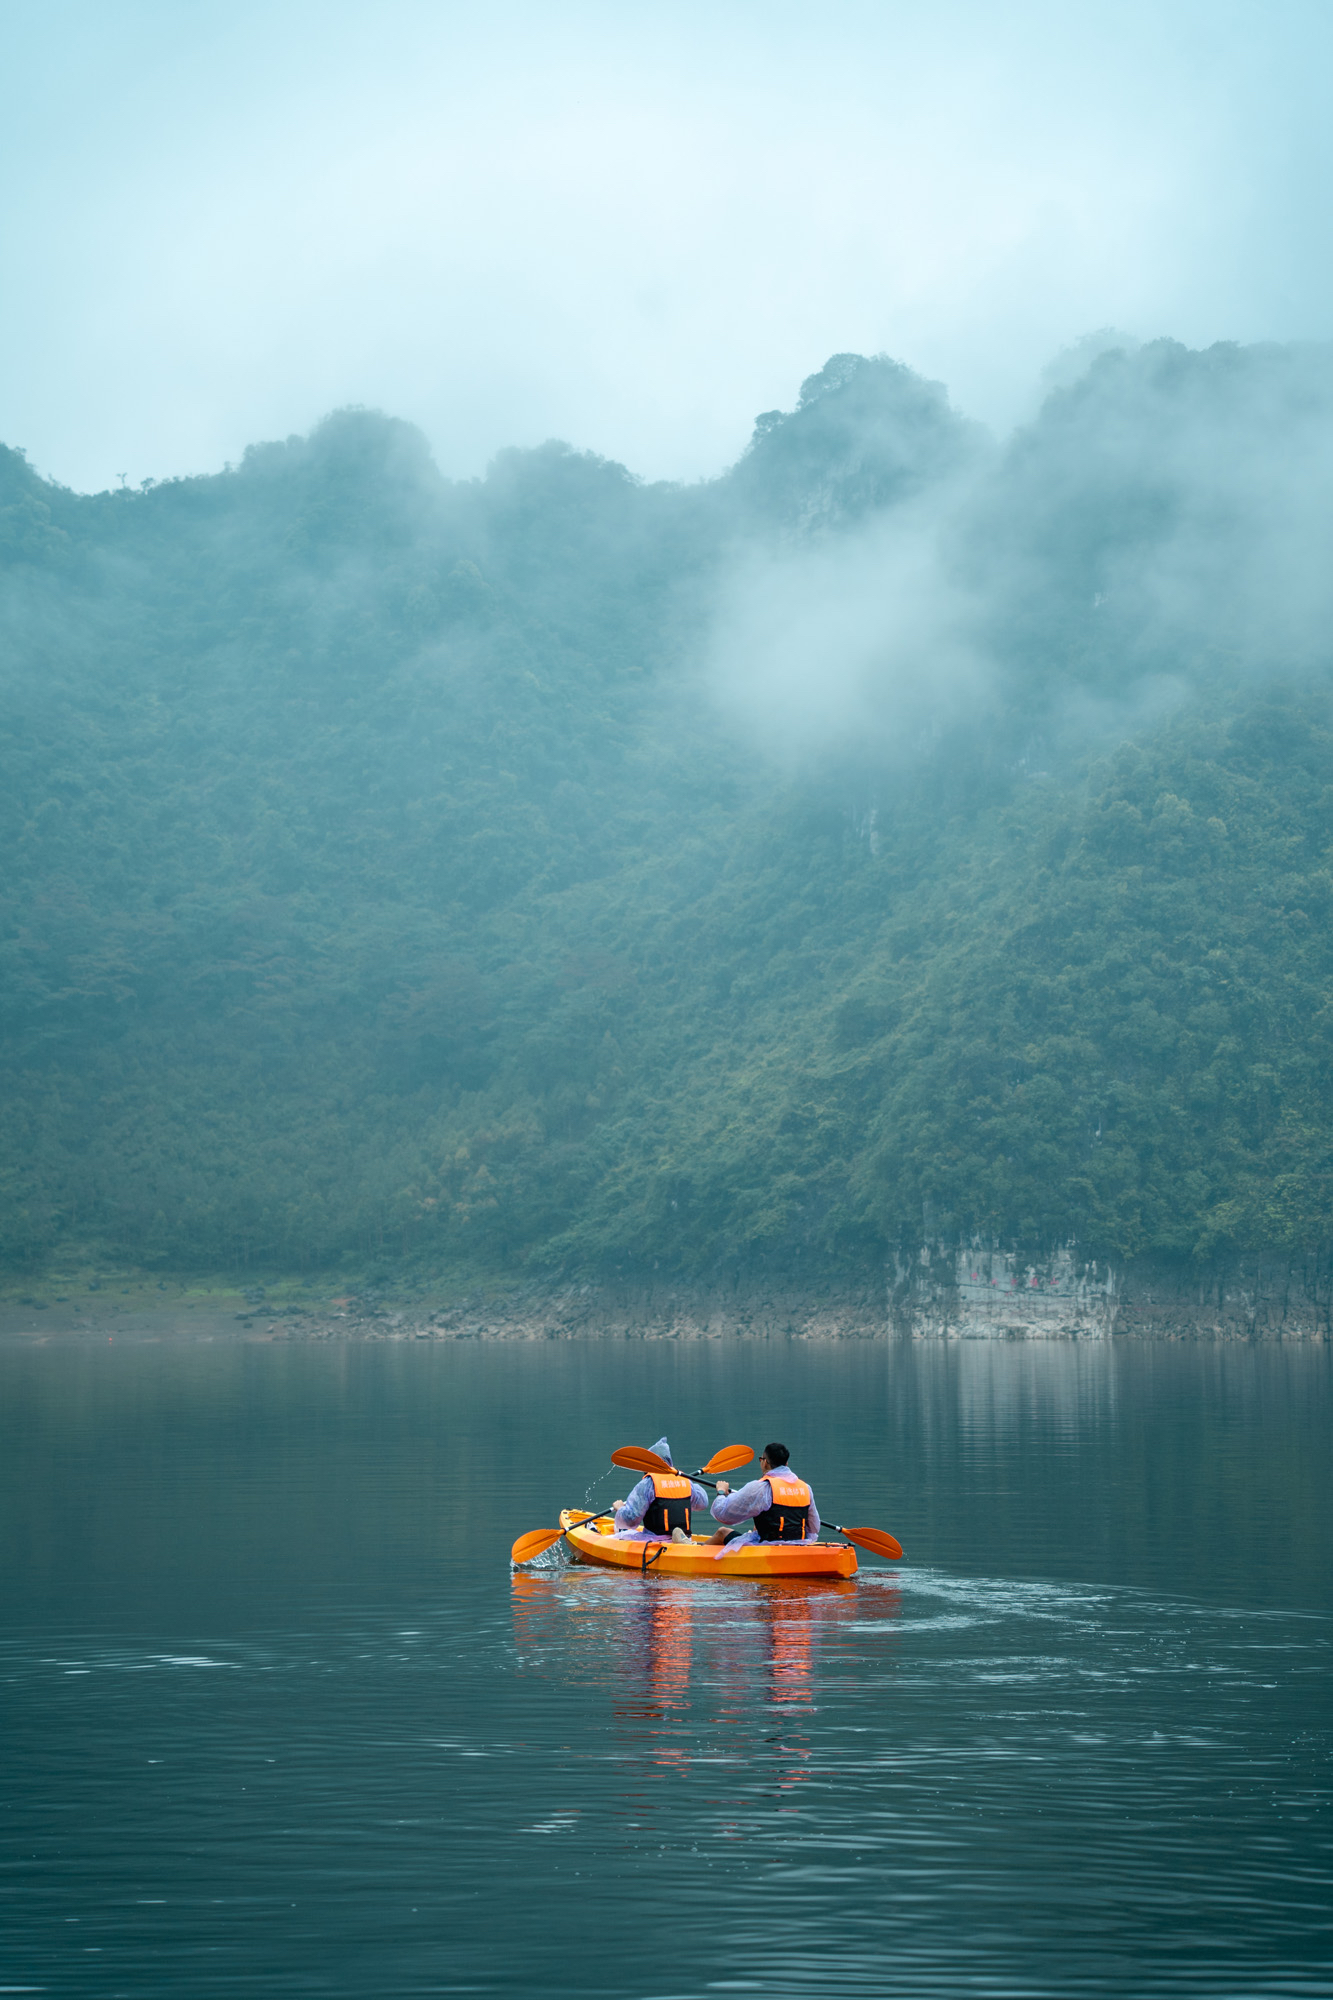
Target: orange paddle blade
<point x="730" y="1456"/>
<point x="635" y="1459"/>
<point x="535" y="1544"/>
<point x="874" y="1539"/>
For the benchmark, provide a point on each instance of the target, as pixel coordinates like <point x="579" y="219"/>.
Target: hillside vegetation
<point x="516" y="872"/>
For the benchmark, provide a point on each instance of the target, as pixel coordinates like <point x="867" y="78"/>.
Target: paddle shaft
<point x="701" y="1477"/>
<point x="605" y="1515"/>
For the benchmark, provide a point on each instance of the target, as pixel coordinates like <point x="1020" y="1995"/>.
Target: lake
<point x="280" y="1719"/>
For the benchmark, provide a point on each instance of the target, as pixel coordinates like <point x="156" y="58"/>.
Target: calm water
<point x="279" y="1719"/>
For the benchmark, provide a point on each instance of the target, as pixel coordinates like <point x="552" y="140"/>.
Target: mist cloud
<point x="1164" y="524"/>
<point x="867" y="639"/>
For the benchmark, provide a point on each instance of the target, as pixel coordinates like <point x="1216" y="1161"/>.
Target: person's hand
<point x="723" y="1487"/>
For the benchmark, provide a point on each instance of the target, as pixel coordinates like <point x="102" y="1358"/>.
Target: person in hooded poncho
<point x="658" y="1506"/>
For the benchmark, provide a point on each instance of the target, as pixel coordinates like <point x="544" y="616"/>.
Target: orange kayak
<point x="594" y="1542"/>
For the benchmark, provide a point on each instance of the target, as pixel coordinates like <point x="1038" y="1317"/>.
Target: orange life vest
<point x="786" y="1520"/>
<point x="670" y="1505"/>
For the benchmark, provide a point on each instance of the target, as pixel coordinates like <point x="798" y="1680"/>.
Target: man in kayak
<point x="661" y="1503"/>
<point x="776" y="1507"/>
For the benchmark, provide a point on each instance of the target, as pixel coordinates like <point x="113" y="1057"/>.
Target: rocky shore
<point x="944" y="1292"/>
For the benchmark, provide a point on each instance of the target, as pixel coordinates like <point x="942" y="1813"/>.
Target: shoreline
<point x="943" y="1294"/>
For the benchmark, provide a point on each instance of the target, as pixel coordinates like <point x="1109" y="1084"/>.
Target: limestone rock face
<point x="969" y="1293"/>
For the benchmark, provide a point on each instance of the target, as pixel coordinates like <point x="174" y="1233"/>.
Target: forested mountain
<point x="899" y="833"/>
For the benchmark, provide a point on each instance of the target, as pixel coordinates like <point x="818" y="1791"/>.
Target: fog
<point x="631" y="228"/>
<point x="1162" y="525"/>
<point x="866" y="637"/>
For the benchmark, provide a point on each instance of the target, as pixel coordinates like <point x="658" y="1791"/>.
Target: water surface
<point x="279" y="1719"/>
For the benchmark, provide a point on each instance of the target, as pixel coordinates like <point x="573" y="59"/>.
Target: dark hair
<point x="777" y="1454"/>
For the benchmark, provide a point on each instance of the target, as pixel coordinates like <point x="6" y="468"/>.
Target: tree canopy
<point x="384" y="880"/>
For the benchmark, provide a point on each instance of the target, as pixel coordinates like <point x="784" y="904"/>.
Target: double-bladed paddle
<point x="634" y="1458"/>
<point x="631" y="1457"/>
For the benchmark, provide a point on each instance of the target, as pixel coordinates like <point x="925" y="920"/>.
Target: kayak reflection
<point x="657" y="1638"/>
<point x="652" y="1641"/>
<point x="776" y="1635"/>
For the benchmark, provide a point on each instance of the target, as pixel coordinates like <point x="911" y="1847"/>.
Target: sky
<point x="631" y="226"/>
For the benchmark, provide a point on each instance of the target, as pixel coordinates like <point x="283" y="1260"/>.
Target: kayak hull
<point x="593" y="1542"/>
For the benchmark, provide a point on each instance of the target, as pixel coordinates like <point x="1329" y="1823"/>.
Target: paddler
<point x="776" y="1507"/>
<point x="661" y="1504"/>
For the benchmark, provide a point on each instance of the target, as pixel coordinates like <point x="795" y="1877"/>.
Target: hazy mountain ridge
<point x="383" y="879"/>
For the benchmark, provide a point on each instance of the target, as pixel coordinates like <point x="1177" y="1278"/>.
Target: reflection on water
<point x="280" y="1719"/>
<point x="651" y="1646"/>
<point x="689" y="1670"/>
<point x="660" y="1637"/>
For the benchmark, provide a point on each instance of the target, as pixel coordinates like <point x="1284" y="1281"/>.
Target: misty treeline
<point x="900" y="833"/>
